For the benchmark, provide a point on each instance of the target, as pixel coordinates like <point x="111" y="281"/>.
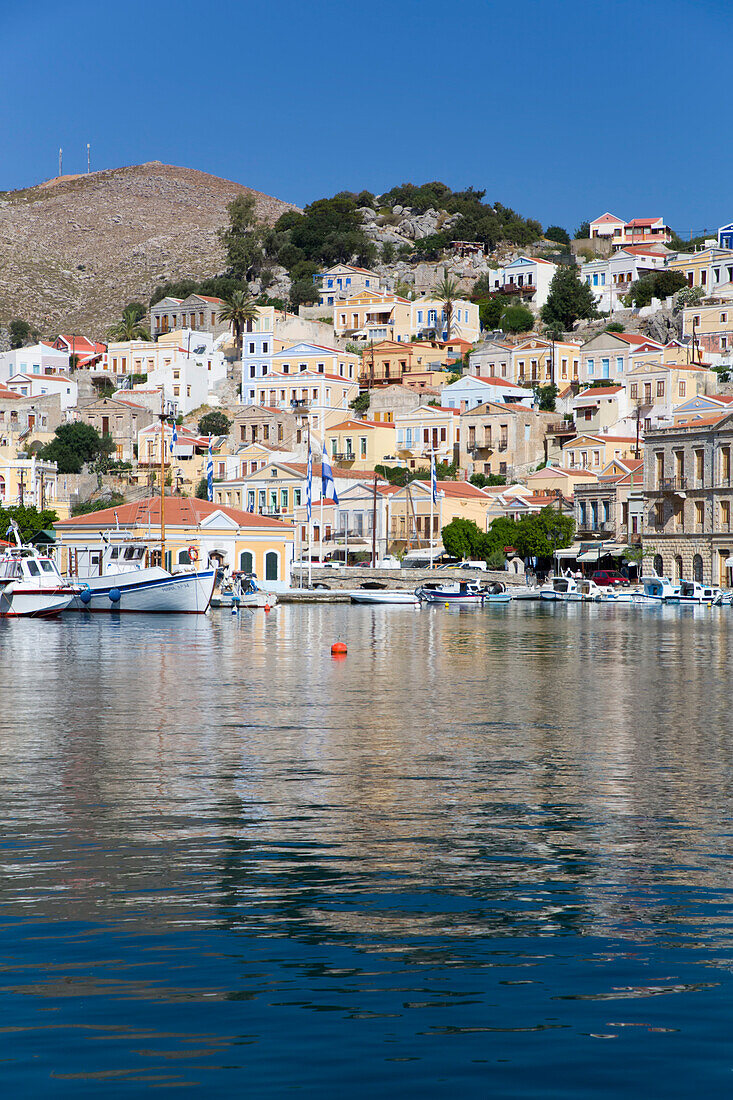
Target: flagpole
<point x="320" y="530"/>
<point x="432" y="504"/>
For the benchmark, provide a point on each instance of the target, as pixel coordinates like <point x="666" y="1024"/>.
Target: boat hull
<point x="20" y="601"/>
<point x="151" y="591"/>
<point x="408" y="599"/>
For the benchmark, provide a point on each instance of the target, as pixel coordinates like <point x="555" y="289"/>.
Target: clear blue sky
<point x="559" y="108"/>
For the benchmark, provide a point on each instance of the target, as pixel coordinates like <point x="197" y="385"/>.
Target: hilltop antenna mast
<point x="88" y="159"/>
<point x="61" y="152"/>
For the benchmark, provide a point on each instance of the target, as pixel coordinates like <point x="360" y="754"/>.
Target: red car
<point x="604" y="577"/>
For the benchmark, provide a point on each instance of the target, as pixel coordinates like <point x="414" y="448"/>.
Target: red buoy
<point x="338" y="649"/>
<point x="267" y="607"/>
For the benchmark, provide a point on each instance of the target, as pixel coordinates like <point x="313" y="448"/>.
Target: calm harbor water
<point x="489" y="851"/>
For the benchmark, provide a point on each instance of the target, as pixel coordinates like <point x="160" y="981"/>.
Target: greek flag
<point x="174" y="440"/>
<point x="210" y="473"/>
<point x="328" y="485"/>
<point x="308" y="485"/>
<point x="433" y="479"/>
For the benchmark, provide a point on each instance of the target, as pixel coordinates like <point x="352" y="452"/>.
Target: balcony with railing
<point x="596" y="527"/>
<point x="672" y="484"/>
<point x="562" y="427"/>
<point x="299" y="403"/>
<point x="344" y="456"/>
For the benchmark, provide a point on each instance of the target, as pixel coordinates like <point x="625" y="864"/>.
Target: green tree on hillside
<point x="557" y="233"/>
<point x="214" y="423"/>
<point x="568" y="300"/>
<point x="75" y="445"/>
<point x="582" y="233"/>
<point x="243" y="238"/>
<point x="517" y="318"/>
<point x="20" y="333"/>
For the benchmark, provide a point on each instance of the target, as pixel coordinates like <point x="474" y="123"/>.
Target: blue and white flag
<point x="308" y="486"/>
<point x="433" y="479"/>
<point x="328" y="485"/>
<point x="210" y="473"/>
<point x="174" y="440"/>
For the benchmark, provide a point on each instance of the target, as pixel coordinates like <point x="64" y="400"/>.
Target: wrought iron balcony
<point x="672" y="484"/>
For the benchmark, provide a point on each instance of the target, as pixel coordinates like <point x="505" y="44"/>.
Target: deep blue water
<point x="488" y="852"/>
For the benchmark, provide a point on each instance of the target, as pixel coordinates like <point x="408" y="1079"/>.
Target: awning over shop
<point x="591" y="555"/>
<point x="728" y="563"/>
<point x="569" y="551"/>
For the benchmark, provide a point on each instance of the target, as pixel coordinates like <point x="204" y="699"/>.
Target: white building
<point x="528" y="277"/>
<point x="38" y="385"/>
<point x="470" y="391"/>
<point x="611" y="279"/>
<point x="36" y="359"/>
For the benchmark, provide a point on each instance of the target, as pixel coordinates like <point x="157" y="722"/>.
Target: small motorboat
<point x="693" y="592"/>
<point x="372" y="594"/>
<point x="462" y="592"/>
<point x="656" y="591"/>
<point x="242" y="590"/>
<point x="496" y="593"/>
<point x="31" y="585"/>
<point x="570" y="590"/>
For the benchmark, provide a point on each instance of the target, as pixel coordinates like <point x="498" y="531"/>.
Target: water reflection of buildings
<point x="554" y="770"/>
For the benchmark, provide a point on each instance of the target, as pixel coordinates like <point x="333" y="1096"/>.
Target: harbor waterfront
<point x="489" y="850"/>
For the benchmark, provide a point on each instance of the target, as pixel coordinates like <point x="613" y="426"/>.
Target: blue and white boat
<point x="657" y="591"/>
<point x="122" y="582"/>
<point x="462" y="592"/>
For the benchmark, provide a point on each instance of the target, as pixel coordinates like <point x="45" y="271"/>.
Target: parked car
<point x="606" y="577"/>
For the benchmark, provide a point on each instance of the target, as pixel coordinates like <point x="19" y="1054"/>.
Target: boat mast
<point x="374" y="527"/>
<point x="162" y="477"/>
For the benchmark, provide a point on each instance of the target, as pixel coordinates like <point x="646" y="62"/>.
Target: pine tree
<point x="569" y="299"/>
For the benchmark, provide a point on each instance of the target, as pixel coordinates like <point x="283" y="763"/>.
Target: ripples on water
<point x="490" y="850"/>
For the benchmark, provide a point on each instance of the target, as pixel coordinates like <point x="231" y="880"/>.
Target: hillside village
<point x="587" y="376"/>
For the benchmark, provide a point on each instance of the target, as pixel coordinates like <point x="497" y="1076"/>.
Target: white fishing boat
<point x="123" y="582"/>
<point x="31" y="585"/>
<point x="462" y="592"/>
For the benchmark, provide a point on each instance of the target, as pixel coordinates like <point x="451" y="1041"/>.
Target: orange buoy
<point x="267" y="607"/>
<point x="338" y="649"/>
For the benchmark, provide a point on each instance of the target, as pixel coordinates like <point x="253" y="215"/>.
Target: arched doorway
<point x="678" y="567"/>
<point x="272" y="565"/>
<point x="246" y="562"/>
<point x="184" y="558"/>
<point x="697" y="568"/>
<point x="658" y="564"/>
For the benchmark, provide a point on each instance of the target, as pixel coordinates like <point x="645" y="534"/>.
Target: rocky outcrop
<point x="664" y="325"/>
<point x="75" y="250"/>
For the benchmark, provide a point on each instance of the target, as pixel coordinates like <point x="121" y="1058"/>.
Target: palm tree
<point x="239" y="309"/>
<point x="446" y="292"/>
<point x="129" y="327"/>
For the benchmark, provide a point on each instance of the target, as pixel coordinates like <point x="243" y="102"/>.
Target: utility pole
<point x="88" y="159"/>
<point x="61" y="153"/>
<point x="374" y="526"/>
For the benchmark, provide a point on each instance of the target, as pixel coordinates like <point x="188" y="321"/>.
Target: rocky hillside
<point x="75" y="250"/>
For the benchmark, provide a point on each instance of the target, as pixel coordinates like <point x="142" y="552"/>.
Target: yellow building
<point x="537" y="360"/>
<point x="708" y="269"/>
<point x="425" y="431"/>
<point x="710" y="329"/>
<point x="388" y="361"/>
<point x="409" y="512"/>
<point x="373" y="316"/>
<point x="360" y="444"/>
<point x="29" y="481"/>
<point x="229" y="536"/>
<point x="594" y="452"/>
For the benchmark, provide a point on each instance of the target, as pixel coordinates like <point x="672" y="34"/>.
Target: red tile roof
<point x="179" y="512"/>
<point x="600" y="389"/>
<point x="358" y="424"/>
<point x="637" y="338"/>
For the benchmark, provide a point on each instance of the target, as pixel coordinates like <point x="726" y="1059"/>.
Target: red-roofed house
<point x="230" y="536"/>
<point x="426" y="431"/>
<point x="88" y="354"/>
